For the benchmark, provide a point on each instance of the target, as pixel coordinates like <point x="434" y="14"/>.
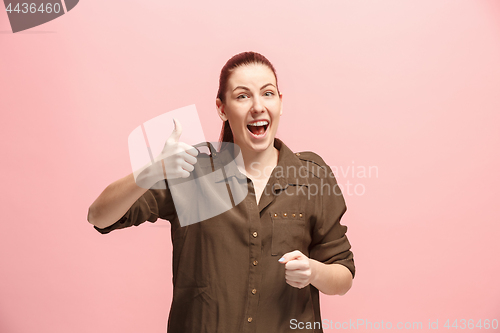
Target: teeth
<point x="259" y="123"/>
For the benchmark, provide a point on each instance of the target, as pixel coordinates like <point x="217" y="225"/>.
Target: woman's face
<point x="252" y="107"/>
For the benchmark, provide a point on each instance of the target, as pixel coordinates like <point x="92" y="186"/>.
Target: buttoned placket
<point x="254" y="278"/>
<point x="255" y="252"/>
<point x="254" y="257"/>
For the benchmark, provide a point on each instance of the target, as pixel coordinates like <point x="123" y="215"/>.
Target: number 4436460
<point x="471" y="324"/>
<point x="32" y="8"/>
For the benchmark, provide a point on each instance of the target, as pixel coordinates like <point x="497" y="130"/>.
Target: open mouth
<point x="258" y="128"/>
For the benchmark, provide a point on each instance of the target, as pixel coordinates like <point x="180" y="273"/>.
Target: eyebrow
<point x="245" y="88"/>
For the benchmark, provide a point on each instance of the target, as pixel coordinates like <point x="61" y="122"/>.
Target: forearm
<point x="114" y="201"/>
<point x="330" y="279"/>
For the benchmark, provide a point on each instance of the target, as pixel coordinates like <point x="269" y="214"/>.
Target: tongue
<point x="257" y="129"/>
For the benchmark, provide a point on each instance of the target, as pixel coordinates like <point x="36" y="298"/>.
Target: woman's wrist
<point x="330" y="279"/>
<point x="314" y="271"/>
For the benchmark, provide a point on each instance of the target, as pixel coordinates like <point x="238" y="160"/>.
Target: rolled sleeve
<point x="329" y="241"/>
<point x="153" y="204"/>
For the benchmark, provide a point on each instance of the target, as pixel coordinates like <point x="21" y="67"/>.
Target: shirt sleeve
<point x="329" y="241"/>
<point x="153" y="204"/>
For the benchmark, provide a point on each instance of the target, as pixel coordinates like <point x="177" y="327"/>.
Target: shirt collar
<point x="289" y="169"/>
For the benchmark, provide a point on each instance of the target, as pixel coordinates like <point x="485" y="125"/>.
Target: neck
<point x="259" y="165"/>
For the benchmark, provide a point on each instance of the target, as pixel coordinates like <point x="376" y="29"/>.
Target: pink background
<point x="411" y="88"/>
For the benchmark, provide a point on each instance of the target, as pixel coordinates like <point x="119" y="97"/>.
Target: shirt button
<point x="298" y="154"/>
<point x="255" y="262"/>
<point x="300" y="215"/>
<point x="249" y="319"/>
<point x="293" y="214"/>
<point x="275" y="215"/>
<point x="254" y="291"/>
<point x="284" y="214"/>
<point x="254" y="234"/>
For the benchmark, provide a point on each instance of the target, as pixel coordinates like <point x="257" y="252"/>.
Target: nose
<point x="257" y="105"/>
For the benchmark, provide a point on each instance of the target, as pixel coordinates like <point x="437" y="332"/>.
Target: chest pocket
<point x="288" y="218"/>
<point x="288" y="233"/>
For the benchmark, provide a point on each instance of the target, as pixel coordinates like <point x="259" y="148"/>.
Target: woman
<point x="259" y="266"/>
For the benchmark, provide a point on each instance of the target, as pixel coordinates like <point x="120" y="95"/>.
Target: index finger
<point x="290" y="256"/>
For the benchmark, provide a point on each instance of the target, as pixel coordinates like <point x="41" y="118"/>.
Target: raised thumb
<point x="176" y="133"/>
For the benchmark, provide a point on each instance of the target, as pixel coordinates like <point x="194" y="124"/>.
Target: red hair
<point x="241" y="59"/>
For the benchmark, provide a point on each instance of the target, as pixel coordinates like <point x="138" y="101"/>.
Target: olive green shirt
<point x="226" y="274"/>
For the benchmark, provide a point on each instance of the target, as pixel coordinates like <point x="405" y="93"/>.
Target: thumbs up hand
<point x="176" y="160"/>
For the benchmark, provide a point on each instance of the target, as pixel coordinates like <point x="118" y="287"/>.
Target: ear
<point x="281" y="106"/>
<point x="220" y="109"/>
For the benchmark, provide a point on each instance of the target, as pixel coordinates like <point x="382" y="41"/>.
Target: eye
<point x="269" y="93"/>
<point x="241" y="96"/>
